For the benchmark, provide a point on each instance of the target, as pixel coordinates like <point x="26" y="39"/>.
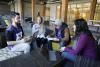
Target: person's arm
<point x="15" y="42"/>
<point x="10" y="38"/>
<point x="66" y="35"/>
<point x="27" y="39"/>
<point x="80" y="45"/>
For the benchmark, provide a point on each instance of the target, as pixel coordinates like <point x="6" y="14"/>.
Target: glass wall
<point x="78" y="10"/>
<point x="97" y="12"/>
<point x="47" y="13"/>
<point x="58" y="15"/>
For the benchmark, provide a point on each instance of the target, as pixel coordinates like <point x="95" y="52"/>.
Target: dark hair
<point x="81" y="26"/>
<point x="13" y="14"/>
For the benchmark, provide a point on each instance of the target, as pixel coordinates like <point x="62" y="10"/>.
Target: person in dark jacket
<point x="62" y="33"/>
<point x="16" y="40"/>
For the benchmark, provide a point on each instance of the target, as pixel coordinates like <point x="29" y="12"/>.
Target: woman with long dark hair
<point x="85" y="45"/>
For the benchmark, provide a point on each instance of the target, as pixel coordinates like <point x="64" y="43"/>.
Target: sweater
<point x="86" y="46"/>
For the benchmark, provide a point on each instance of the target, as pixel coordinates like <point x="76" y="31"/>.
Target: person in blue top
<point x="15" y="35"/>
<point x="62" y="32"/>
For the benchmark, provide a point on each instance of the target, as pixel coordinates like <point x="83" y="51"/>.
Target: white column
<point x="53" y="12"/>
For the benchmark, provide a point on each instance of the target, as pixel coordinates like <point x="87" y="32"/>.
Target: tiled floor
<point x="5" y="54"/>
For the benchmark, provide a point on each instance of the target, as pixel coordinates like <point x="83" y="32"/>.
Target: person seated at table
<point x="62" y="32"/>
<point x="85" y="45"/>
<point x="40" y="31"/>
<point x="15" y="35"/>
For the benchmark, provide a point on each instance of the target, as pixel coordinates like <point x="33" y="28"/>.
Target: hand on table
<point x="27" y="39"/>
<point x="55" y="39"/>
<point x="62" y="49"/>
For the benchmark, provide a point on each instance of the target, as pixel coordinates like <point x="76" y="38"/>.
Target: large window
<point x="47" y="13"/>
<point x="78" y="10"/>
<point x="97" y="12"/>
<point x="58" y="15"/>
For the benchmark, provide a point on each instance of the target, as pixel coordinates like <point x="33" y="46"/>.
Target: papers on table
<point x="50" y="38"/>
<point x="54" y="39"/>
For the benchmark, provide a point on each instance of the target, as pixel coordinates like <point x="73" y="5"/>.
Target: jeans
<point x="69" y="56"/>
<point x="41" y="41"/>
<point x="50" y="45"/>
